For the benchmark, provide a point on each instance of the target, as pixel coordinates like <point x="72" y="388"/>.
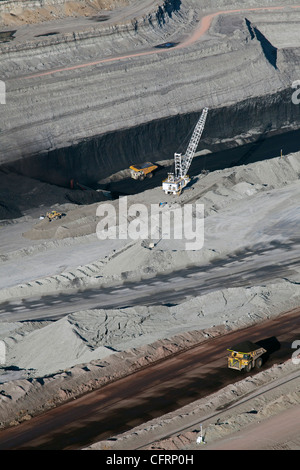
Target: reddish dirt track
<point x="151" y="392"/>
<point x="204" y="26"/>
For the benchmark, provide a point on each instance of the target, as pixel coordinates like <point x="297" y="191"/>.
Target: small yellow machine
<point x="54" y="215"/>
<point x="245" y="356"/>
<point x="140" y="171"/>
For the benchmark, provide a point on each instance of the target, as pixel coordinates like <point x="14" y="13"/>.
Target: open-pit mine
<point x="127" y="128"/>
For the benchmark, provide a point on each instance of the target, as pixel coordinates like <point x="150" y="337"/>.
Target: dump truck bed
<point x="245" y="347"/>
<point x="140" y="170"/>
<point x="142" y="166"/>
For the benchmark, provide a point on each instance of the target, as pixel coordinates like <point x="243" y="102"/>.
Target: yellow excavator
<point x="54" y="215"/>
<point x="142" y="170"/>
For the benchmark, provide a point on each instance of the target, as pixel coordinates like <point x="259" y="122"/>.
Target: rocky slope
<point x="16" y="13"/>
<point x="252" y="213"/>
<point x="90" y="122"/>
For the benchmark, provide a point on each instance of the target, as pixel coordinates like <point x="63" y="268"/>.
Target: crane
<point x="175" y="182"/>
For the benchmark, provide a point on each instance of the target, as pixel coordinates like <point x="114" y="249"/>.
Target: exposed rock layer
<point x="90" y="122"/>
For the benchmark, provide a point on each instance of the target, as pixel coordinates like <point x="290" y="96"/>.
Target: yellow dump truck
<point x="140" y="171"/>
<point x="245" y="356"/>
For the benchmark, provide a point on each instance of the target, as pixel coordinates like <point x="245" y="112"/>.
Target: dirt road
<point x="203" y="28"/>
<point x="151" y="392"/>
<point x="174" y="287"/>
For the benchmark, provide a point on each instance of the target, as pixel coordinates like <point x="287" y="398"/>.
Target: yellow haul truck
<point x="245" y="356"/>
<point x="138" y="172"/>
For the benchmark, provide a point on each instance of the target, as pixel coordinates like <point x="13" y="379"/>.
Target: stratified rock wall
<point x="92" y="121"/>
<point x="97" y="158"/>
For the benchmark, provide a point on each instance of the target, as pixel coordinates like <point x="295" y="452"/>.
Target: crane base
<point x="172" y="185"/>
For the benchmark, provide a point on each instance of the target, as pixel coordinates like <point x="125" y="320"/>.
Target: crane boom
<point x="192" y="147"/>
<point x="177" y="181"/>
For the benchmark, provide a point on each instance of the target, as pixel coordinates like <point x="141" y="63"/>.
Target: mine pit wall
<point x="92" y="160"/>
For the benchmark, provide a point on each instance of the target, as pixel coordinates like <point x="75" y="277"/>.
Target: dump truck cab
<point x="245" y="356"/>
<point x="141" y="170"/>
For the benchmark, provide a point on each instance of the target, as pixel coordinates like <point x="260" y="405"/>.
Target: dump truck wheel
<point x="258" y="363"/>
<point x="248" y="367"/>
<point x="149" y="175"/>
